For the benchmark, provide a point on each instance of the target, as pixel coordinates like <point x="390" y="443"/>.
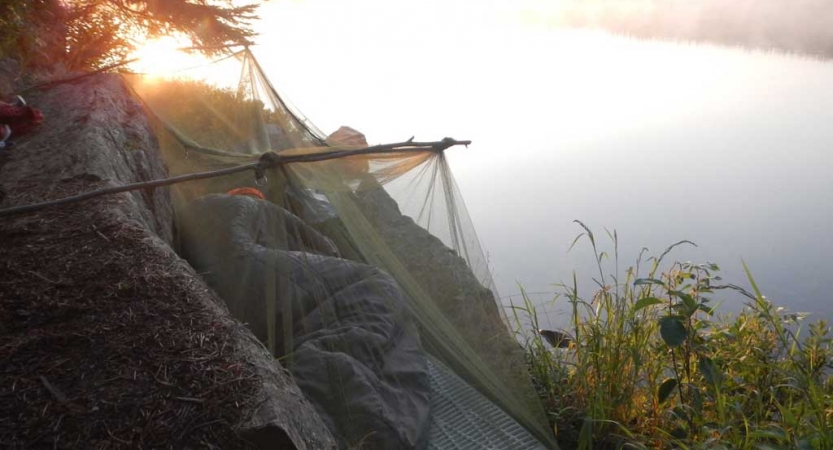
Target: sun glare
<point x="163" y="56"/>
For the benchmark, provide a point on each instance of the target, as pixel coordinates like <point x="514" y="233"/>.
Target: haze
<point x="660" y="140"/>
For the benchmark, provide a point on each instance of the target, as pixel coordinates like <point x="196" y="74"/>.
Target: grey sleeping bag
<point x="342" y="327"/>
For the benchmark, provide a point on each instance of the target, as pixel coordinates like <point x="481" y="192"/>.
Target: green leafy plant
<point x="654" y="365"/>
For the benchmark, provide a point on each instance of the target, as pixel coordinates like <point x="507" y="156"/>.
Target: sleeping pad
<point x="341" y="327"/>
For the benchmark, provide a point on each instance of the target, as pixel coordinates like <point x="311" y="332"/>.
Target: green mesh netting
<point x="351" y="270"/>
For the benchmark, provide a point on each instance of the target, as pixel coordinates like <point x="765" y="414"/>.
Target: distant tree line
<point x="792" y="26"/>
<point x="82" y="34"/>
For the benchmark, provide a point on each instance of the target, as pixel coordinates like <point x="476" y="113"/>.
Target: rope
<point x="78" y="77"/>
<point x="269" y="160"/>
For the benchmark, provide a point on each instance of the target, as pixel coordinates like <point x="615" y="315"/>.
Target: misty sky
<point x="796" y="26"/>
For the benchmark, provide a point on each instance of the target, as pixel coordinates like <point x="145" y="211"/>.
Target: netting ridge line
<point x="267" y="161"/>
<point x="120" y="64"/>
<point x="192" y="67"/>
<point x="304" y="122"/>
<point x="77" y="77"/>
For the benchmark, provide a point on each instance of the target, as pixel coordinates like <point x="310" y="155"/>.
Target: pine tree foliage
<point x="207" y="23"/>
<point x="90" y="33"/>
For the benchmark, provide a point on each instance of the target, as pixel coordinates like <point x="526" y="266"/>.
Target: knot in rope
<point x="447" y="143"/>
<point x="268" y="160"/>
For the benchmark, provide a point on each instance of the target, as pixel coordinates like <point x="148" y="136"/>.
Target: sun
<point x="162" y="56"/>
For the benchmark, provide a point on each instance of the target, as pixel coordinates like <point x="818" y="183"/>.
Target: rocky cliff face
<point x="459" y="295"/>
<point x="9" y="75"/>
<point x="108" y="339"/>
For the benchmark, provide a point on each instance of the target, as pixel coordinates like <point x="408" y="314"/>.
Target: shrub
<point x="653" y="365"/>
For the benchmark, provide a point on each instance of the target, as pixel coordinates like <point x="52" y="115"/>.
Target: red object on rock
<point x="251" y="192"/>
<point x="21" y="119"/>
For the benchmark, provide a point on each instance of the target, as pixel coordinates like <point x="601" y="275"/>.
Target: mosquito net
<point x="361" y="273"/>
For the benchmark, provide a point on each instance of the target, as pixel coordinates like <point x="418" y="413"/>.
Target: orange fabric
<point x="252" y="192"/>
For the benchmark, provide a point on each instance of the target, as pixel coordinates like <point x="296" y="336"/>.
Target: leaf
<point x="665" y="389"/>
<point x="681" y="308"/>
<point x="772" y="432"/>
<point x="585" y="435"/>
<point x="646" y="302"/>
<point x="679" y="433"/>
<point x="643" y="281"/>
<point x="709" y="371"/>
<point x="763" y="446"/>
<point x="787" y="415"/>
<point x="682" y="296"/>
<point x="696" y="398"/>
<point x="667" y="250"/>
<point x="758" y="296"/>
<point x="680" y="412"/>
<point x="575" y="241"/>
<point x="706" y="309"/>
<point x="809" y="443"/>
<point x="687" y="300"/>
<point x="672" y="330"/>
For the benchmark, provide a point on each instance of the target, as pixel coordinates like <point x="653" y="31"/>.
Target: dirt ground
<point x="107" y="338"/>
<point x="106" y="345"/>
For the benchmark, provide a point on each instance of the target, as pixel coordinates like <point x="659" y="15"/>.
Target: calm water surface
<point x="659" y="141"/>
<point x="728" y="149"/>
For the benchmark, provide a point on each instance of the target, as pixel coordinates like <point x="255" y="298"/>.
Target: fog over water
<point x="661" y="141"/>
<point x="795" y="26"/>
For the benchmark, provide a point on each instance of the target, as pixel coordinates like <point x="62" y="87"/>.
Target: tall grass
<point x="653" y="365"/>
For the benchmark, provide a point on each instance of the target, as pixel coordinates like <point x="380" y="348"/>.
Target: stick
<point x="267" y="161"/>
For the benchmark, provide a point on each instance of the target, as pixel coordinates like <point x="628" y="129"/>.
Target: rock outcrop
<point x="107" y="338"/>
<point x="447" y="279"/>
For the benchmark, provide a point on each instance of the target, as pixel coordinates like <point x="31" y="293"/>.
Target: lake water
<point x="731" y="150"/>
<point x="659" y="141"/>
